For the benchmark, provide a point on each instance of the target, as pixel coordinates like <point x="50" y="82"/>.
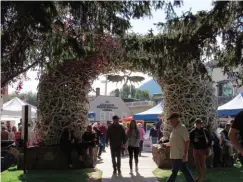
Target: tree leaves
<point x="31" y="27"/>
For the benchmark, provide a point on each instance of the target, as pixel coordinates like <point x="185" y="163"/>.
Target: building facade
<point x="226" y="85"/>
<point x="105" y="107"/>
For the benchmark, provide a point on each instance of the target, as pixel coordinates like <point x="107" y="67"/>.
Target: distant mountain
<point x="152" y="87"/>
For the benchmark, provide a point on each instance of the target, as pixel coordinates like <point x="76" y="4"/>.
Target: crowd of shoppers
<point x="10" y="133"/>
<point x="206" y="142"/>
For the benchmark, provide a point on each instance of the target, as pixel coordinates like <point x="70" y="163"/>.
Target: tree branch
<point x="5" y="81"/>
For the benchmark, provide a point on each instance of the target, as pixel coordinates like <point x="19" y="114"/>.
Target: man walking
<point x="117" y="138"/>
<point x="153" y="134"/>
<point x="179" y="145"/>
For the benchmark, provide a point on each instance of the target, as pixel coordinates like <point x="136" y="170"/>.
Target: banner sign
<point x="107" y="106"/>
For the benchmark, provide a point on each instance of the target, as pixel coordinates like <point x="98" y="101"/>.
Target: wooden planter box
<point x="51" y="157"/>
<point x="161" y="157"/>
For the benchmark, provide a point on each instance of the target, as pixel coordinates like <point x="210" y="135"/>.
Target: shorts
<point x="199" y="152"/>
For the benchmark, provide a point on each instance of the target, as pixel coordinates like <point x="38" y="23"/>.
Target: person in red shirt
<point x="103" y="130"/>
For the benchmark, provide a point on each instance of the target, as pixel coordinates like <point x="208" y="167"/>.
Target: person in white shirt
<point x="179" y="146"/>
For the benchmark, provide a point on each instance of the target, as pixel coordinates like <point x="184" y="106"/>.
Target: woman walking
<point x="201" y="142"/>
<point x="133" y="137"/>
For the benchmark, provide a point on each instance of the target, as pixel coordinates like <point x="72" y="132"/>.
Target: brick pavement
<point x="145" y="168"/>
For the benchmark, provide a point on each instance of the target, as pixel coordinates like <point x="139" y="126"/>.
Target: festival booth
<point x="12" y="111"/>
<point x="129" y="119"/>
<point x="232" y="107"/>
<point x="149" y="117"/>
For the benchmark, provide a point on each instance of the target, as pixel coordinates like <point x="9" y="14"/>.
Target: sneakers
<point x="136" y="168"/>
<point x="119" y="171"/>
<point x="114" y="171"/>
<point x="130" y="171"/>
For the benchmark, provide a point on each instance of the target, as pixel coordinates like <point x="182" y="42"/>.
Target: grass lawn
<point x="14" y="175"/>
<point x="234" y="174"/>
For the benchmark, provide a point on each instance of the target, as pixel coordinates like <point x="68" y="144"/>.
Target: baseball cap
<point x="115" y="117"/>
<point x="173" y="115"/>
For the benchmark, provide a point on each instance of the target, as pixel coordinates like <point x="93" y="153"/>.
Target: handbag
<point x="209" y="150"/>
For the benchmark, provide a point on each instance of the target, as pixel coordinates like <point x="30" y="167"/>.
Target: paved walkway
<point x="145" y="167"/>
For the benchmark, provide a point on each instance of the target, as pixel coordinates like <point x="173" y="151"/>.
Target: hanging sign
<point x="107" y="106"/>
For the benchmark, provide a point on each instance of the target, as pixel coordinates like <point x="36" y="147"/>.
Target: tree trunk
<point x="63" y="100"/>
<point x="189" y="94"/>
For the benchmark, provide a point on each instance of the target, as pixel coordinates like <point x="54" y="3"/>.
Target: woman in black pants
<point x="133" y="144"/>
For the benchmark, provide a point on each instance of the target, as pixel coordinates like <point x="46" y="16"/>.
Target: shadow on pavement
<point x="135" y="177"/>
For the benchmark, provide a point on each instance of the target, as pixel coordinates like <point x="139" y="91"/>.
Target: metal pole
<point x="25" y="135"/>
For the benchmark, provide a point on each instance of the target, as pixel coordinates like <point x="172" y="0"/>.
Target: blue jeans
<point x="103" y="141"/>
<point x="154" y="140"/>
<point x="179" y="165"/>
<point x="100" y="146"/>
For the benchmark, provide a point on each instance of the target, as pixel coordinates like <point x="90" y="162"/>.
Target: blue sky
<point x="140" y="26"/>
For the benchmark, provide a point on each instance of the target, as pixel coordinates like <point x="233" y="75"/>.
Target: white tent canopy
<point x="232" y="107"/>
<point x="13" y="109"/>
<point x="151" y="114"/>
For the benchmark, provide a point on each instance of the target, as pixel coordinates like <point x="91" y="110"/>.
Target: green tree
<point x="142" y="94"/>
<point x="31" y="32"/>
<point x="127" y="91"/>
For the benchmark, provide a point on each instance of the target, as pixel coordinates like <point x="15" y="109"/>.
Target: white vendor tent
<point x="13" y="109"/>
<point x="151" y="114"/>
<point x="232" y="107"/>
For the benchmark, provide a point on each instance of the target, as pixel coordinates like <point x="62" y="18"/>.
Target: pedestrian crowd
<point x="220" y="147"/>
<point x="205" y="143"/>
